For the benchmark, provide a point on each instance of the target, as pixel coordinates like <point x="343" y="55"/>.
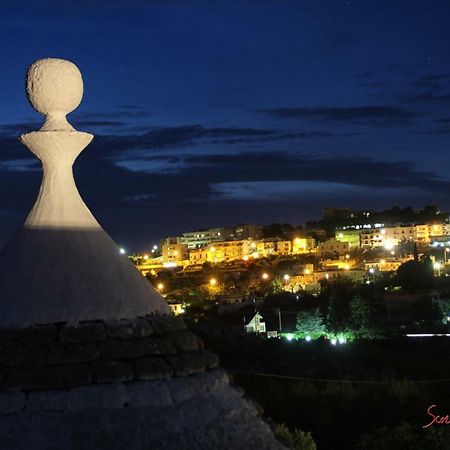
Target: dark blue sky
<point x="211" y="113"/>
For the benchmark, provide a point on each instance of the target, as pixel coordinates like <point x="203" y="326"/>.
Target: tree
<point x="362" y="318"/>
<point x="405" y="436"/>
<point x="277" y="285"/>
<point x="310" y="323"/>
<point x="296" y="439"/>
<point x="415" y="275"/>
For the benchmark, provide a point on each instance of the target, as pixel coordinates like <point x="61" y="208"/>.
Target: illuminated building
<point x="248" y="231"/>
<point x="385" y="265"/>
<point x="222" y="252"/>
<point x="351" y="236"/>
<point x="333" y="246"/>
<point x="174" y="253"/>
<point x="256" y="324"/>
<point x="437" y="229"/>
<point x="202" y="238"/>
<point x="422" y="233"/>
<point x="283" y="247"/>
<point x="303" y="245"/>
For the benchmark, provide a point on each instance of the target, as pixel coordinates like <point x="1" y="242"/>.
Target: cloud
<point x="170" y="138"/>
<point x="122" y="113"/>
<point x="378" y="115"/>
<point x="430" y="88"/>
<point x="215" y="189"/>
<point x="428" y="97"/>
<point x="263" y="191"/>
<point x="435" y="82"/>
<point x="97" y="123"/>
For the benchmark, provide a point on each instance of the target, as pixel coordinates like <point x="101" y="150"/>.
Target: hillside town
<point x="344" y="242"/>
<point x="236" y="275"/>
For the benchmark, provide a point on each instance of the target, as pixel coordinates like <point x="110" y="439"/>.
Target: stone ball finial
<point x="54" y="88"/>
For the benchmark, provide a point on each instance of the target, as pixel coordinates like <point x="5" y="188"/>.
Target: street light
<point x="265" y="276"/>
<point x="122" y="251"/>
<point x="212" y="281"/>
<point x="437" y="266"/>
<point x="286" y="278"/>
<point x="160" y="286"/>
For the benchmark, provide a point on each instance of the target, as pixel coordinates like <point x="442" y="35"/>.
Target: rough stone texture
<point x="49" y="378"/>
<point x="163" y="326"/>
<point x="218" y="419"/>
<point x="112" y="371"/>
<point x="23" y="357"/>
<point x="154" y="394"/>
<point x="108" y="396"/>
<point x="90" y="332"/>
<point x="187" y="363"/>
<point x="41" y="335"/>
<point x="134" y="385"/>
<point x="46" y="401"/>
<point x="54" y="88"/>
<point x="152" y="369"/>
<point x="73" y="354"/>
<point x="98" y="353"/>
<point x="135" y="349"/>
<point x="211" y="359"/>
<point x="11" y="402"/>
<point x="127" y="329"/>
<point x="186" y="341"/>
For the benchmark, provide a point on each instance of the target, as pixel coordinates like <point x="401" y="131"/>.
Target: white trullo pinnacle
<point x="55" y="88"/>
<point x="61" y="266"/>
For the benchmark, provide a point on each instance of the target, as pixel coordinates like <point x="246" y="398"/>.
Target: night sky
<point x="210" y="113"/>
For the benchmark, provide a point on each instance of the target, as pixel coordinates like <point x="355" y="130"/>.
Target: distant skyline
<point x="218" y="113"/>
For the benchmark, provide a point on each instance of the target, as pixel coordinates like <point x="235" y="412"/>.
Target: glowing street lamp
<point x="146" y="257"/>
<point x="122" y="251"/>
<point x="160" y="286"/>
<point x="265" y="276"/>
<point x="286" y="277"/>
<point x="212" y="282"/>
<point x="437" y="266"/>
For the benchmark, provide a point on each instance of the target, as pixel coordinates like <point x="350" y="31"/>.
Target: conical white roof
<point x="62" y="266"/>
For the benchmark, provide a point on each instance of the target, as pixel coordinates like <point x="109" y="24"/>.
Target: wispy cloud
<point x="378" y="115"/>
